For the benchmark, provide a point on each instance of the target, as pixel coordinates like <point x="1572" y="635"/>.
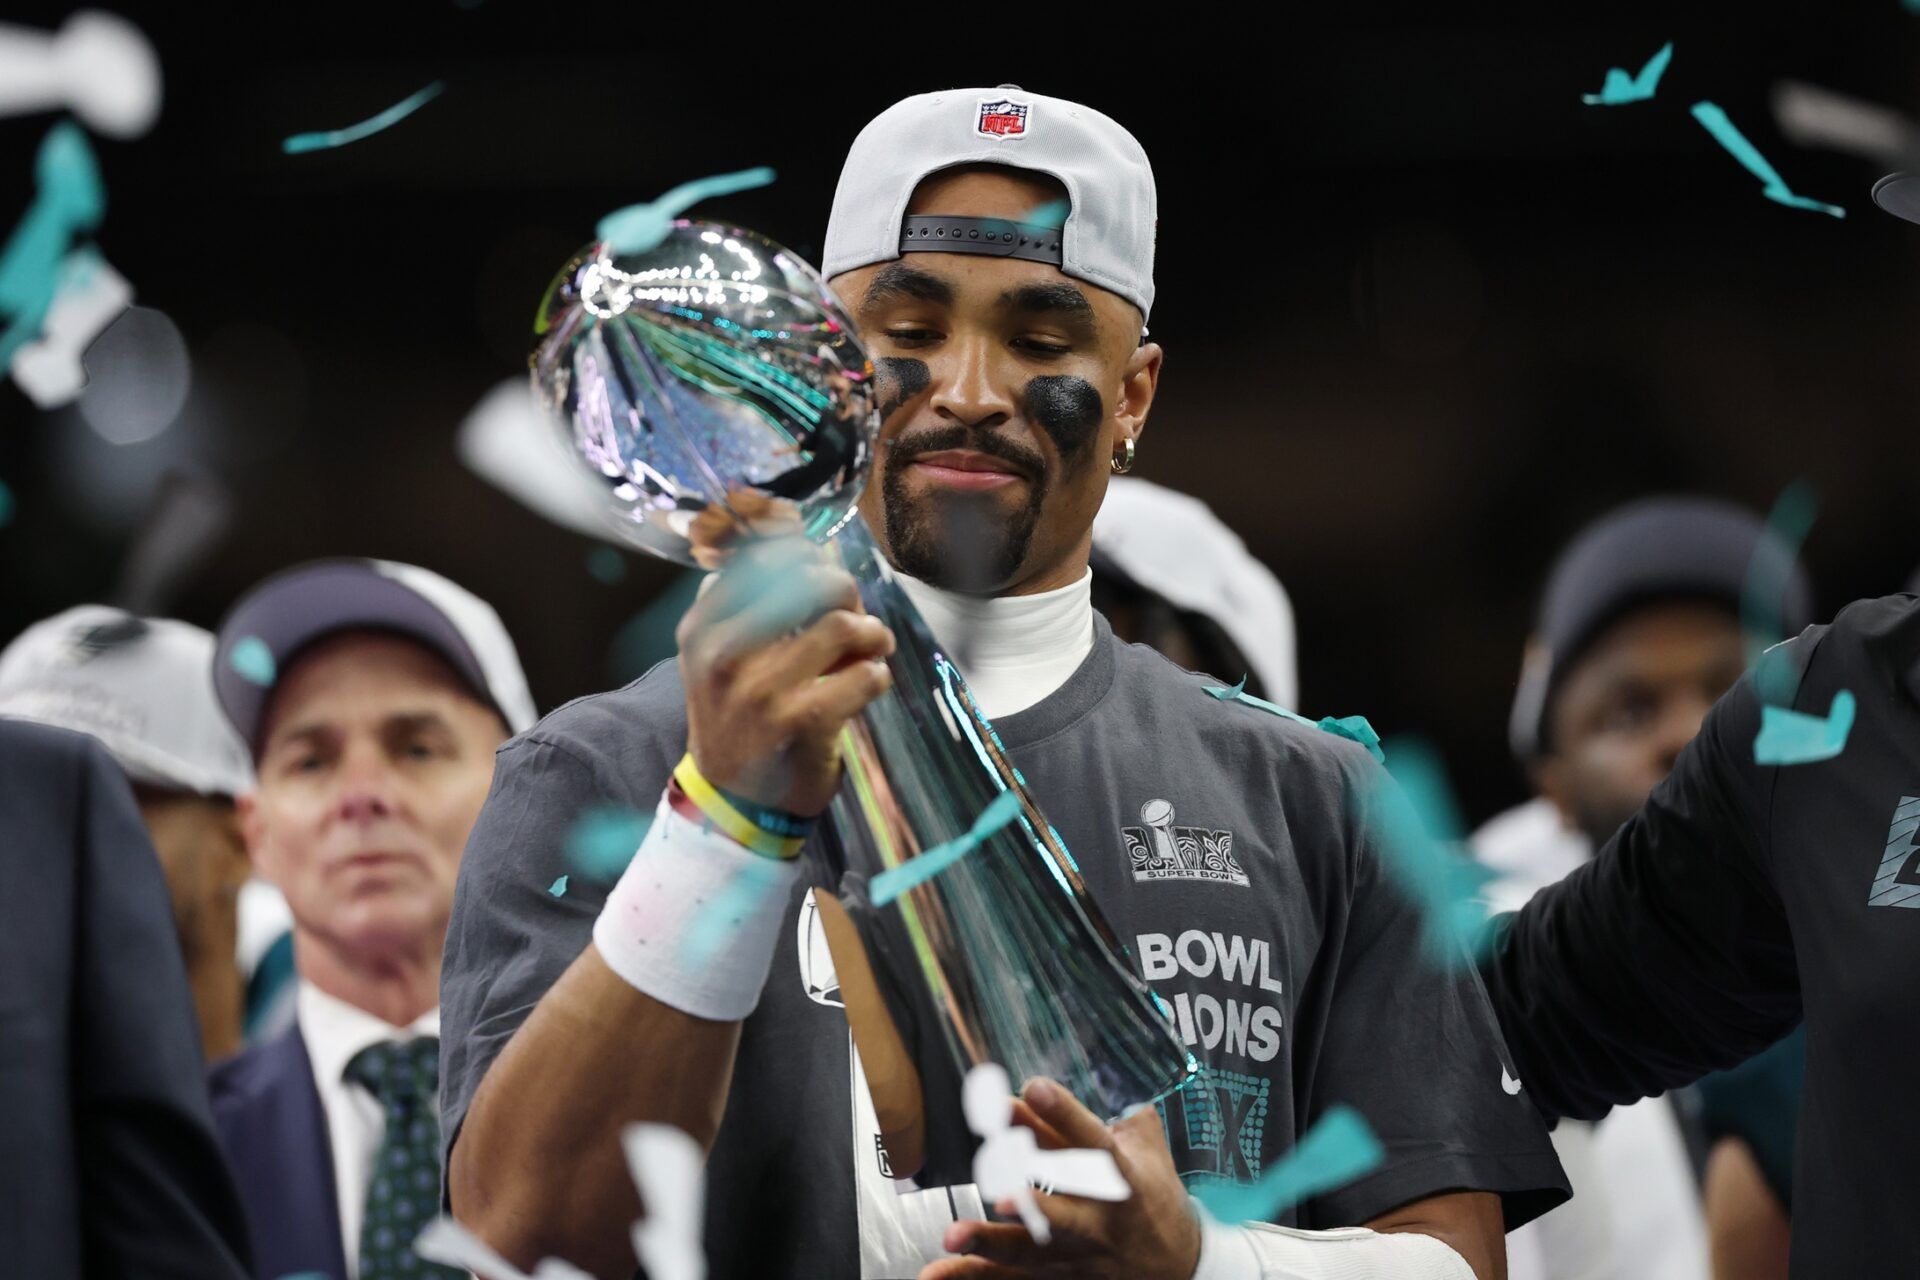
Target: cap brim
<point x="290" y="611"/>
<point x="1899" y="195"/>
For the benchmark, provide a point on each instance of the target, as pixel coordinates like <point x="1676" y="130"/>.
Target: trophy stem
<point x="1004" y="952"/>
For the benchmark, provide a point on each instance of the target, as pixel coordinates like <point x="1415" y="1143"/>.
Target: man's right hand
<point x="777" y="655"/>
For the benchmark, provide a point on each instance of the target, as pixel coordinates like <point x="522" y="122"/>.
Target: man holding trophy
<point x="994" y="250"/>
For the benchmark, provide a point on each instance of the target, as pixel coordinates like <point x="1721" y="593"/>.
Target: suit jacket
<point x="108" y="1162"/>
<point x="268" y="1112"/>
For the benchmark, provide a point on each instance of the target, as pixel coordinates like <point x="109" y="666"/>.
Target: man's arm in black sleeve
<point x="1666" y="957"/>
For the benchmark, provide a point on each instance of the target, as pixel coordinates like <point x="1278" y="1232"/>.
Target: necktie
<point x="404" y="1193"/>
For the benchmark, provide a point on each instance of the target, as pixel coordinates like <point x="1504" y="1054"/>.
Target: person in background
<point x="108" y="1163"/>
<point x="1638" y="633"/>
<point x="1168" y="574"/>
<point x="1749" y="1114"/>
<point x="141" y="686"/>
<point x="372" y="696"/>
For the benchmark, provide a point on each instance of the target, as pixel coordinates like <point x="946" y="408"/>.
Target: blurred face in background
<point x="1004" y="388"/>
<point x="374" y="762"/>
<point x="205" y="863"/>
<point x="1636" y="697"/>
<point x="1187" y="639"/>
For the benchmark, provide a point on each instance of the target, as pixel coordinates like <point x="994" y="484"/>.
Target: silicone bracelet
<point x="714" y="807"/>
<point x="778" y="821"/>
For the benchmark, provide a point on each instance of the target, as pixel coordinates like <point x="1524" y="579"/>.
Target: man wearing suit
<point x="143" y="687"/>
<point x="108" y="1164"/>
<point x="372" y="696"/>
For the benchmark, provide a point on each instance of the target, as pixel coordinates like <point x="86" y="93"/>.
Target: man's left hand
<point x="1154" y="1235"/>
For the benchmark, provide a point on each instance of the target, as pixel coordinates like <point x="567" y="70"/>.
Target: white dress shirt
<point x="334" y="1032"/>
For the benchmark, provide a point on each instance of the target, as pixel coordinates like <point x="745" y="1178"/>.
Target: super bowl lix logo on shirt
<point x="1159" y="850"/>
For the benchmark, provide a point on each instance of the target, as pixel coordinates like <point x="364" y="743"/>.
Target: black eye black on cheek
<point x="897" y="380"/>
<point x="1067" y="408"/>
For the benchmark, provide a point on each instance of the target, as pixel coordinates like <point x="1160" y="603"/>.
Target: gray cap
<point x="272" y="623"/>
<point x="1107" y="239"/>
<point x="1673" y="548"/>
<point x="142" y="686"/>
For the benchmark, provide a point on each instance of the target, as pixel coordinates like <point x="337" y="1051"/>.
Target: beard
<point x="965" y="542"/>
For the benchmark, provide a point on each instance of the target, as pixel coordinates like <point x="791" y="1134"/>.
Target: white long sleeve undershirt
<point x="1013" y="650"/>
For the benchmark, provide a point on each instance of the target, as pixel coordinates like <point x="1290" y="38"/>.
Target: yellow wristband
<point x="707" y="798"/>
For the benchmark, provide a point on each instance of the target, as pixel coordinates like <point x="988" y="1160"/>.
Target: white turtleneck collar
<point x="1013" y="650"/>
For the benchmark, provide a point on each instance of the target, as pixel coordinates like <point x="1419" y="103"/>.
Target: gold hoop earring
<point x="1122" y="462"/>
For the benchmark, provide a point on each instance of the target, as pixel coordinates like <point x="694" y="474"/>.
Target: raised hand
<point x="1151" y="1235"/>
<point x="776" y="656"/>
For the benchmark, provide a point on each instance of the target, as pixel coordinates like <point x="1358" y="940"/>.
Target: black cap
<point x="1669" y="548"/>
<point x="269" y="626"/>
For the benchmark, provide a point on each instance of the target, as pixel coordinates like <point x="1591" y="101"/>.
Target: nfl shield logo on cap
<point x="1002" y="118"/>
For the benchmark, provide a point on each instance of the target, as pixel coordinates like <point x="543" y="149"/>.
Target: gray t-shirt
<point x="1226" y="846"/>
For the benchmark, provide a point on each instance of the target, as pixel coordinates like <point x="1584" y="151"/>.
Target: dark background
<point x="1425" y="313"/>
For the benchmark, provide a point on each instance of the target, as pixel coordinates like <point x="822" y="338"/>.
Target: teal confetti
<point x="327" y="139"/>
<point x="558" y="888"/>
<point x="1789" y="737"/>
<point x="894" y="881"/>
<point x="1354" y="728"/>
<point x="1621" y="88"/>
<point x="253" y="660"/>
<point x="606" y="565"/>
<point x="69" y="200"/>
<point x="602" y="841"/>
<point x="639" y="227"/>
<point x="1339" y="1148"/>
<point x="1417" y="829"/>
<point x="1052" y="216"/>
<point x="1774" y="187"/>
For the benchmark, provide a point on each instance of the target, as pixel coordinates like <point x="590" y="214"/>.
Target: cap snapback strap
<point x="998" y="237"/>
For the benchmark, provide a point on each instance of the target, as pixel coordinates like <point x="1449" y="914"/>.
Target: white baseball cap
<point x="1174" y="546"/>
<point x="142" y="686"/>
<point x="292" y="609"/>
<point x="1107" y="239"/>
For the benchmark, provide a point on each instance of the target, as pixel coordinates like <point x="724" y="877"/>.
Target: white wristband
<point x="1259" y="1251"/>
<point x="1225" y="1251"/>
<point x="695" y="917"/>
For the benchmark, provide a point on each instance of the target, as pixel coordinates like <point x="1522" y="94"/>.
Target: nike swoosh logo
<point x="1508" y="1083"/>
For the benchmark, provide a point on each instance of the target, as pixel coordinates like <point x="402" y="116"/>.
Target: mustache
<point x="907" y="446"/>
